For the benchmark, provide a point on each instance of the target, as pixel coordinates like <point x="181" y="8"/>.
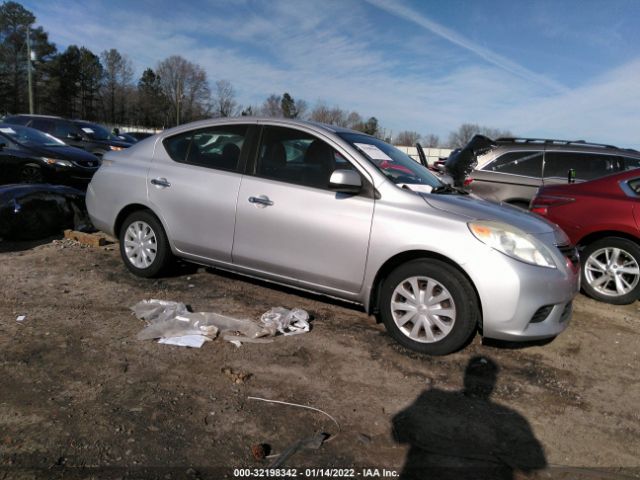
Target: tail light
<point x="467" y="181"/>
<point x="541" y="204"/>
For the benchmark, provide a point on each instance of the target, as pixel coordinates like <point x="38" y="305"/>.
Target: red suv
<point x="602" y="218"/>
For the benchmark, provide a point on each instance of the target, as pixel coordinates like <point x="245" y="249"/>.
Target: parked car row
<point x="341" y="213"/>
<point x="49" y="149"/>
<point x="590" y="190"/>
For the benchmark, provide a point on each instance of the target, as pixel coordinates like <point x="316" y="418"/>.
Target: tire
<point x="445" y="333"/>
<point x="31" y="173"/>
<point x="156" y="255"/>
<point x="603" y="277"/>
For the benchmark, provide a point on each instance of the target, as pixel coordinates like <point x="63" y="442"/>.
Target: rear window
<point x="587" y="166"/>
<point x="215" y="147"/>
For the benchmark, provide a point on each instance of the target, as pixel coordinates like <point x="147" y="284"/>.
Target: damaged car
<point x="341" y="213"/>
<point x="30" y="212"/>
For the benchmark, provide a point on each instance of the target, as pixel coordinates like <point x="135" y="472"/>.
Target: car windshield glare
<point x="397" y="166"/>
<point x="30" y="136"/>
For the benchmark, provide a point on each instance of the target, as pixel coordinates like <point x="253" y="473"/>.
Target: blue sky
<point x="561" y="69"/>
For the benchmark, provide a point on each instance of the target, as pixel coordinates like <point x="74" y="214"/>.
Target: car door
<point x="291" y="225"/>
<point x="12" y="157"/>
<point x="193" y="186"/>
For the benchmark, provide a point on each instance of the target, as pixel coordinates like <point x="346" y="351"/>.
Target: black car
<point x="139" y="135"/>
<point x="77" y="133"/>
<point x="31" y="156"/>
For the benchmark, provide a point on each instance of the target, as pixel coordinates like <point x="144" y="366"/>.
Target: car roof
<point x="34" y="115"/>
<point x="509" y="144"/>
<point x="261" y="120"/>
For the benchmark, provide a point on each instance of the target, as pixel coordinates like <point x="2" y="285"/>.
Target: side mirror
<point x="345" y="181"/>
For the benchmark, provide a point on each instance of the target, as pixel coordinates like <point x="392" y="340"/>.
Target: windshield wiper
<point x="446" y="188"/>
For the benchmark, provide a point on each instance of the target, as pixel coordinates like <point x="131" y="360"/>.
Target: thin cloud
<point x="409" y="14"/>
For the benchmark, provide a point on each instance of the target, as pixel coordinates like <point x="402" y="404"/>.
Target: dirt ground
<point x="82" y="398"/>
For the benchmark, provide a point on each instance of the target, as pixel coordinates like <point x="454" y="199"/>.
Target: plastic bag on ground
<point x="170" y="320"/>
<point x="285" y="321"/>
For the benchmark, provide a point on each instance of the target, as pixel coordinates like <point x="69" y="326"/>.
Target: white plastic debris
<point x="173" y="324"/>
<point x="21" y="318"/>
<point x="285" y="321"/>
<point x="193" y="341"/>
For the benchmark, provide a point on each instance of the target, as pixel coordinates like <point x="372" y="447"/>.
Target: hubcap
<point x="612" y="272"/>
<point x="423" y="309"/>
<point x="31" y="174"/>
<point x="140" y="244"/>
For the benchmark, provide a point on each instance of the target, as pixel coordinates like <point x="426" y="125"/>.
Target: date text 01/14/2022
<point x="313" y="473"/>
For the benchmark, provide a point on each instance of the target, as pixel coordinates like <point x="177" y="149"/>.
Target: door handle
<point x="261" y="200"/>
<point x="160" y="182"/>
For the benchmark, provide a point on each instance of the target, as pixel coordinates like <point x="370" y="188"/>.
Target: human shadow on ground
<point x="464" y="435"/>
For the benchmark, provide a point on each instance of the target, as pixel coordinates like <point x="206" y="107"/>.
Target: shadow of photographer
<point x="464" y="435"/>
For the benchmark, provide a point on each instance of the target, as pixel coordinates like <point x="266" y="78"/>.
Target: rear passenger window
<point x="635" y="185"/>
<point x="215" y="147"/>
<point x="528" y="164"/>
<point x="587" y="166"/>
<point x="630" y="163"/>
<point x="296" y="157"/>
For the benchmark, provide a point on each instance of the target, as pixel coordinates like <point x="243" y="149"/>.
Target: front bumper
<point x="523" y="302"/>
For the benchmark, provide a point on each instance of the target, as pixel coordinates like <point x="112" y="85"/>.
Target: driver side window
<point x="296" y="157"/>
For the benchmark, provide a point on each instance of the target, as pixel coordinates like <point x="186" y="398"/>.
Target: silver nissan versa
<point x="341" y="213"/>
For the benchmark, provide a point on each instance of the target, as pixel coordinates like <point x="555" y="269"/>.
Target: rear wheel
<point x="143" y="244"/>
<point x="429" y="306"/>
<point x="611" y="270"/>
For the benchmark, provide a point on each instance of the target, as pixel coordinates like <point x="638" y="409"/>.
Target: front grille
<point x="541" y="314"/>
<point x="87" y="163"/>
<point x="566" y="313"/>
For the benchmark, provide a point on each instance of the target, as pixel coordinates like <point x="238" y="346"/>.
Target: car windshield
<point x="30" y="136"/>
<point x="397" y="166"/>
<point x="96" y="132"/>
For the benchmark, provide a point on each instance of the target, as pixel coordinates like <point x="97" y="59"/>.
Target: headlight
<point x="115" y="149"/>
<point x="56" y="161"/>
<point x="513" y="242"/>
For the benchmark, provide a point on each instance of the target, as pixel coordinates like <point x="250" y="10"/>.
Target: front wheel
<point x="429" y="306"/>
<point x="31" y="173"/>
<point x="611" y="270"/>
<point x="143" y="244"/>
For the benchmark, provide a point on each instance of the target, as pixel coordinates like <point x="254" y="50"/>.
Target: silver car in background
<point x="340" y="213"/>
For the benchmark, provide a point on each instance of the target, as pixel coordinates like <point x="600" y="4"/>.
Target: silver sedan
<point x="340" y="213"/>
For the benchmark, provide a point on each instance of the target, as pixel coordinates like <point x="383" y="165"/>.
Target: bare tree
<point x="118" y="75"/>
<point x="331" y="116"/>
<point x="406" y="138"/>
<point x="466" y="131"/>
<point x="272" y="106"/>
<point x="430" y="141"/>
<point x="224" y="101"/>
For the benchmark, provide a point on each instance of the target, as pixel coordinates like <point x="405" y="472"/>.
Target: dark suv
<point x="512" y="170"/>
<point x="77" y="133"/>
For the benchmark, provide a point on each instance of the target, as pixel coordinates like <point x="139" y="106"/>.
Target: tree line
<point x="78" y="83"/>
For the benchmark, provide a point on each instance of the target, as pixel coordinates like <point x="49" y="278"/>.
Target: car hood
<point x="66" y="152"/>
<point x="474" y="208"/>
